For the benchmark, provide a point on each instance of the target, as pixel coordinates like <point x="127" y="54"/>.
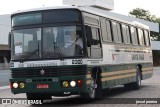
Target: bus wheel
<point x="92" y="90"/>
<point x="34" y="96"/>
<point x="95" y="90"/>
<point x="137" y="84"/>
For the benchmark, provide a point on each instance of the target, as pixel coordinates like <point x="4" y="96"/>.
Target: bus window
<point x="126" y="34"/>
<point x="141" y="37"/>
<point x="134" y="35"/>
<point x="95" y="36"/>
<point x="147" y="39"/>
<point x="109" y="36"/>
<point x="119" y="33"/>
<point x="106" y="30"/>
<point x="93" y="42"/>
<point x="91" y="20"/>
<point x="116" y="32"/>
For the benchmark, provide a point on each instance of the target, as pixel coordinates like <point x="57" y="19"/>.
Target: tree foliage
<point x="143" y="14"/>
<point x="146" y="15"/>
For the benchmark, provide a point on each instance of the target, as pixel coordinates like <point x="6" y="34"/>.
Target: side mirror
<point x="9" y="39"/>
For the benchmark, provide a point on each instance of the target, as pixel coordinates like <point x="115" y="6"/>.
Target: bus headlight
<point x="15" y="85"/>
<point x="73" y="83"/>
<point x="21" y="85"/>
<point x="65" y="84"/>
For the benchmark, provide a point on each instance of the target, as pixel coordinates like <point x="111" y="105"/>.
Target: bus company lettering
<point x="137" y="57"/>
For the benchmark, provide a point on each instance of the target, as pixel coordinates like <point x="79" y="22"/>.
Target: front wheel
<point x="95" y="89"/>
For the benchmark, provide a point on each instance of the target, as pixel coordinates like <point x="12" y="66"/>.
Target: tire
<point x="95" y="90"/>
<point x="135" y="85"/>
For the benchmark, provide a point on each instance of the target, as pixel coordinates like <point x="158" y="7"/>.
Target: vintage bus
<point x="76" y="51"/>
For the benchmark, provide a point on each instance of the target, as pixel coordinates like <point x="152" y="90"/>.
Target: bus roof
<point x="91" y="10"/>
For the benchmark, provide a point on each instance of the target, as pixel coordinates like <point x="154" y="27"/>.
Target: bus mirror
<point x="9" y="39"/>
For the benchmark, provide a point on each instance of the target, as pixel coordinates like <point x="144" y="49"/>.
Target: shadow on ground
<point x="74" y="101"/>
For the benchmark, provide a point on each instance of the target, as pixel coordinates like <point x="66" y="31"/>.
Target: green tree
<point x="142" y="14"/>
<point x="146" y="15"/>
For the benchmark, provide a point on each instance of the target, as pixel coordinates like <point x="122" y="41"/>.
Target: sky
<point x="120" y="6"/>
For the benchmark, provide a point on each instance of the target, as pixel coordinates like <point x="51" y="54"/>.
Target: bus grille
<point x="49" y="72"/>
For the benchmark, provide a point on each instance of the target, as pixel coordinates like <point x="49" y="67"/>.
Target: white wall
<point x="5" y="28"/>
<point x="107" y="4"/>
<point x="155" y="45"/>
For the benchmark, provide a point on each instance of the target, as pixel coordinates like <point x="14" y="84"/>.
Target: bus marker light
<point x="72" y="83"/>
<point x="11" y="86"/>
<point x="79" y="83"/>
<point x="21" y="85"/>
<point x="15" y="85"/>
<point x="65" y="84"/>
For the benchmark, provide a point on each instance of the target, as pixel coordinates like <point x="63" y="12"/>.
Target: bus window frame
<point x="147" y="36"/>
<point x="125" y="34"/>
<point x="115" y="32"/>
<point x="141" y="37"/>
<point x="133" y="36"/>
<point x="89" y="48"/>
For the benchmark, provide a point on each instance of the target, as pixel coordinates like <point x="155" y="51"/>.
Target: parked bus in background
<point x="76" y="51"/>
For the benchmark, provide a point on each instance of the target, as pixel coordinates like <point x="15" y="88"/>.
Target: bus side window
<point x="93" y="42"/>
<point x="141" y="37"/>
<point x="95" y="36"/>
<point x="116" y="31"/>
<point x="109" y="35"/>
<point x="126" y="34"/>
<point x="92" y="34"/>
<point x="134" y="35"/>
<point x="106" y="30"/>
<point x="146" y="35"/>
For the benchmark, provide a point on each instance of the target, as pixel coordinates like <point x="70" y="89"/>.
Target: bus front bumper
<point x="54" y="85"/>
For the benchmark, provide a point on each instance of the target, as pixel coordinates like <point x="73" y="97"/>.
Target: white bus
<point x="75" y="50"/>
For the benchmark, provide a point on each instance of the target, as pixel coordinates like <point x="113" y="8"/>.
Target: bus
<point x="69" y="50"/>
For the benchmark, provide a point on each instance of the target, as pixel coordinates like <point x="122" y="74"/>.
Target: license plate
<point x="40" y="86"/>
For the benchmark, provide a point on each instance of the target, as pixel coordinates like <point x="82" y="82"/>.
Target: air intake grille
<point x="49" y="72"/>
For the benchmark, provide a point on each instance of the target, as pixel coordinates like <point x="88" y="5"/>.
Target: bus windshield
<point x="47" y="42"/>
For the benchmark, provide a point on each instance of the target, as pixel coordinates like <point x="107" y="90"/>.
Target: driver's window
<point x="92" y="34"/>
<point x="93" y="42"/>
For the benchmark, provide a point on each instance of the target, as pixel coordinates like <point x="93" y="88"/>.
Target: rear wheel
<point x="137" y="84"/>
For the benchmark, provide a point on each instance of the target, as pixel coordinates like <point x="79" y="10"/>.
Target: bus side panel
<point x="113" y="75"/>
<point x="147" y="71"/>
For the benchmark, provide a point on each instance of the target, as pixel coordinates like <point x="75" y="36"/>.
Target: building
<point x="5" y="28"/>
<point x="102" y="6"/>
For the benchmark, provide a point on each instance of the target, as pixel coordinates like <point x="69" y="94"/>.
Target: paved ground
<point x="4" y="77"/>
<point x="150" y="89"/>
